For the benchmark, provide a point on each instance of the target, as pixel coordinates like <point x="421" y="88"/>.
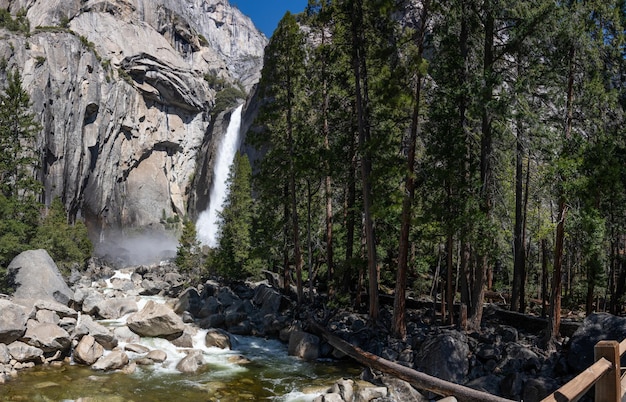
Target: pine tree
<point x="67" y="244"/>
<point x="233" y="257"/>
<point x="188" y="254"/>
<point x="282" y="116"/>
<point x="19" y="163"/>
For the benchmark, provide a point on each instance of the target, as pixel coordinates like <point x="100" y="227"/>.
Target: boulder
<point x="212" y="321"/>
<point x="188" y="301"/>
<point x="47" y="337"/>
<point x="47" y="316"/>
<point x="61" y="310"/>
<point x="25" y="353"/>
<point x="536" y="389"/>
<point x="34" y="275"/>
<point x="112" y="361"/>
<point x="366" y="394"/>
<point x="186" y="339"/>
<point x="444" y="356"/>
<point x="344" y="388"/>
<point x="191" y="363"/>
<point x="157" y="356"/>
<point x="151" y="287"/>
<point x="268" y="299"/>
<point x="124" y="334"/>
<point x="5" y="356"/>
<point x="117" y="307"/>
<point x="218" y="338"/>
<point x="13" y="318"/>
<point x="88" y="351"/>
<point x="91" y="302"/>
<point x="136" y="348"/>
<point x="596" y="327"/>
<point x="400" y="390"/>
<point x="304" y="345"/>
<point x="156" y="320"/>
<point x="102" y="334"/>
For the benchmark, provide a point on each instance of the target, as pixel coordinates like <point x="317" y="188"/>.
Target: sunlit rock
<point x="34" y="275"/>
<point x="112" y="361"/>
<point x="156" y="320"/>
<point x="13" y="320"/>
<point x="218" y="338"/>
<point x="88" y="351"/>
<point x="116" y="307"/>
<point x="87" y="326"/>
<point x="157" y="356"/>
<point x="191" y="363"/>
<point x="22" y="352"/>
<point x="47" y="337"/>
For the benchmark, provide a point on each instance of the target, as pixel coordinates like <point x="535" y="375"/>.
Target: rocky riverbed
<point x="99" y="318"/>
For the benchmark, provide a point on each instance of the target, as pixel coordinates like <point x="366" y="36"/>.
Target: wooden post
<point x="608" y="387"/>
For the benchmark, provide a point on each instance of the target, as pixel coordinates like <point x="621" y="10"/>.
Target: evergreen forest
<point x="452" y="149"/>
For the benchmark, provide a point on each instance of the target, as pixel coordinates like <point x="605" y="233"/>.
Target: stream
<point x="254" y="369"/>
<point x="271" y="375"/>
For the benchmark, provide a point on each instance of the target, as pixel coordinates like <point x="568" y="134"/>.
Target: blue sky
<point x="266" y="13"/>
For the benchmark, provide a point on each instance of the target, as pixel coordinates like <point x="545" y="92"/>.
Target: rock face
<point x="34" y="275"/>
<point x="124" y="118"/>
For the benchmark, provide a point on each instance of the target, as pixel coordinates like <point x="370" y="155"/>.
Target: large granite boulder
<point x="116" y="307"/>
<point x="304" y="345"/>
<point x="444" y="356"/>
<point x="596" y="327"/>
<point x="156" y="320"/>
<point x="268" y="299"/>
<point x="25" y="353"/>
<point x="191" y="363"/>
<point x="217" y="338"/>
<point x="13" y="320"/>
<point x="87" y="326"/>
<point x="47" y="337"/>
<point x="115" y="360"/>
<point x="88" y="351"/>
<point x="34" y="275"/>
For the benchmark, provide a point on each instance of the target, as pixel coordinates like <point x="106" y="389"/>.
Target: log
<point x="416" y="378"/>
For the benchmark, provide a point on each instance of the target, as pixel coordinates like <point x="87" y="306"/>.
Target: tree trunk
<point x="399" y="322"/>
<point x="362" y="107"/>
<point x="449" y="285"/>
<point x="519" y="265"/>
<point x="486" y="150"/>
<point x="350" y="218"/>
<point x="554" y="314"/>
<point x="328" y="180"/>
<point x="298" y="262"/>
<point x="544" y="277"/>
<point x="286" y="264"/>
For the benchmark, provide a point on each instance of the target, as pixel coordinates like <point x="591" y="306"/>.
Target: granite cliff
<point x="125" y="91"/>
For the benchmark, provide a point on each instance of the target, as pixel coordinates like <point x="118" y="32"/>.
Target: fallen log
<point x="418" y="379"/>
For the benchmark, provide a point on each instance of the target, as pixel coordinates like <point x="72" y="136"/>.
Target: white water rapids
<point x="207" y="226"/>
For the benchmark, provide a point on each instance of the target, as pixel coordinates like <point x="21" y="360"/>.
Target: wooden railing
<point x="605" y="374"/>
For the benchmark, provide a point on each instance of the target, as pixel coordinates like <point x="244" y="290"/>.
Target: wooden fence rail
<point x="605" y="374"/>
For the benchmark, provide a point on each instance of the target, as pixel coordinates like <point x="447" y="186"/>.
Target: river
<point x="253" y="369"/>
<point x="271" y="375"/>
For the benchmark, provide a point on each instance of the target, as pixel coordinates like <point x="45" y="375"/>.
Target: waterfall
<point x="207" y="224"/>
